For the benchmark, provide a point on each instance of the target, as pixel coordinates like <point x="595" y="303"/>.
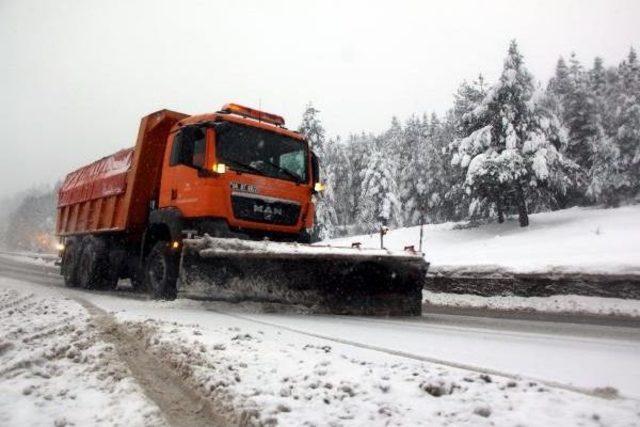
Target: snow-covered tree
<point x="411" y="169"/>
<point x="343" y="176"/>
<point x="604" y="177"/>
<point x="326" y="219"/>
<point x="462" y="121"/>
<point x="431" y="179"/>
<point x="358" y="150"/>
<point x="512" y="152"/>
<point x="560" y="83"/>
<point x="580" y="116"/>
<point x="627" y="122"/>
<point x="378" y="202"/>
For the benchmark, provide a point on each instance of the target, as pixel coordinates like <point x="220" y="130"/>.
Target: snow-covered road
<point x="564" y="357"/>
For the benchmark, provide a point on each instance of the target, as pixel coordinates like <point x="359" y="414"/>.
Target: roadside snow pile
<point x="272" y="377"/>
<point x="571" y="240"/>
<point x="553" y="304"/>
<point x="55" y="371"/>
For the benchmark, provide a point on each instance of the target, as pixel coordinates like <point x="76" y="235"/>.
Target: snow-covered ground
<point x="571" y="240"/>
<point x="289" y="369"/>
<point x="288" y="379"/>
<point x="574" y="304"/>
<point x="54" y="369"/>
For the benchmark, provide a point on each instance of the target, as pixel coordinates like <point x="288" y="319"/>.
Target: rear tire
<point x="93" y="271"/>
<point x="70" y="264"/>
<point x="161" y="272"/>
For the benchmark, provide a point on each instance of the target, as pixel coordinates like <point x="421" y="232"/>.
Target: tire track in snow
<point x="15" y="303"/>
<point x="179" y="401"/>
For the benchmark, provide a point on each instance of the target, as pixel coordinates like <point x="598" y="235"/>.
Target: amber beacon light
<point x="261" y="116"/>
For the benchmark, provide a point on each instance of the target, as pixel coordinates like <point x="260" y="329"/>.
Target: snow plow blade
<point x="324" y="279"/>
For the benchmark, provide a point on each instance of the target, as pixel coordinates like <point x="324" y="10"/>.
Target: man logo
<point x="267" y="211"/>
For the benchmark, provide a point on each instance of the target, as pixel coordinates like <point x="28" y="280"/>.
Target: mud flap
<point x="324" y="279"/>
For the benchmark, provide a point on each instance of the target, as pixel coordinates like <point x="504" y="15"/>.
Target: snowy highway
<point x="579" y="359"/>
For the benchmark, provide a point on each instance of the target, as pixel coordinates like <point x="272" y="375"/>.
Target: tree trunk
<point x="500" y="210"/>
<point x="523" y="216"/>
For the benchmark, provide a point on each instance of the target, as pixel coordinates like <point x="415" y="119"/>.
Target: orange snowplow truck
<point x="174" y="214"/>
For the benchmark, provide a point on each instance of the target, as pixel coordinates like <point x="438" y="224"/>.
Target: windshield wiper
<point x="244" y="166"/>
<point x="297" y="178"/>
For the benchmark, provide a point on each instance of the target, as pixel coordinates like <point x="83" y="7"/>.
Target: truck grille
<point x="270" y="211"/>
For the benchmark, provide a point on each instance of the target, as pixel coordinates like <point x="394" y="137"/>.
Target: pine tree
<point x="580" y="116"/>
<point x="379" y="203"/>
<point x="512" y="153"/>
<point x="604" y="177"/>
<point x="447" y="198"/>
<point x="312" y="129"/>
<point x="627" y="122"/>
<point x="598" y="78"/>
<point x="359" y="149"/>
<point x="344" y="196"/>
<point x="461" y="121"/>
<point x="411" y="170"/>
<point x="560" y="83"/>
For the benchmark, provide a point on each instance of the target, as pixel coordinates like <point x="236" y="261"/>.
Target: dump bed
<point x="113" y="194"/>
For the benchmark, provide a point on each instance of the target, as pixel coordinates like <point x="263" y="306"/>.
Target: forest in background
<point x="510" y="147"/>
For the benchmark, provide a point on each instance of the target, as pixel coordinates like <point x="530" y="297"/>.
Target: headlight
<point x="219" y="168"/>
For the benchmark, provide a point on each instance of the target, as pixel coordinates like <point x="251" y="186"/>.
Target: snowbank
<point x="573" y="304"/>
<point x="55" y="371"/>
<point x="572" y="240"/>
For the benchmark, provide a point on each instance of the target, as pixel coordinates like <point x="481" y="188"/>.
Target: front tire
<point x="161" y="272"/>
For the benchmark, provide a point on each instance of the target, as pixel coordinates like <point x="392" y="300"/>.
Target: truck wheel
<point x="162" y="271"/>
<point x="93" y="271"/>
<point x="70" y="264"/>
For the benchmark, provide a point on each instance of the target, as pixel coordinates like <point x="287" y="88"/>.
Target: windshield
<point x="253" y="150"/>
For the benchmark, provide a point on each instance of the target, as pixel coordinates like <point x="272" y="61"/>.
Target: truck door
<point x="181" y="178"/>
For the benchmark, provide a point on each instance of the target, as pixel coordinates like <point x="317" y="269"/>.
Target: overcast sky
<point x="76" y="76"/>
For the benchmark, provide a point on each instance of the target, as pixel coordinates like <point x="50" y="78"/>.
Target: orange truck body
<point x="116" y="193"/>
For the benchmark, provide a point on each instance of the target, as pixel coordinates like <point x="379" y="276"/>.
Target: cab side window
<point x="188" y="147"/>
